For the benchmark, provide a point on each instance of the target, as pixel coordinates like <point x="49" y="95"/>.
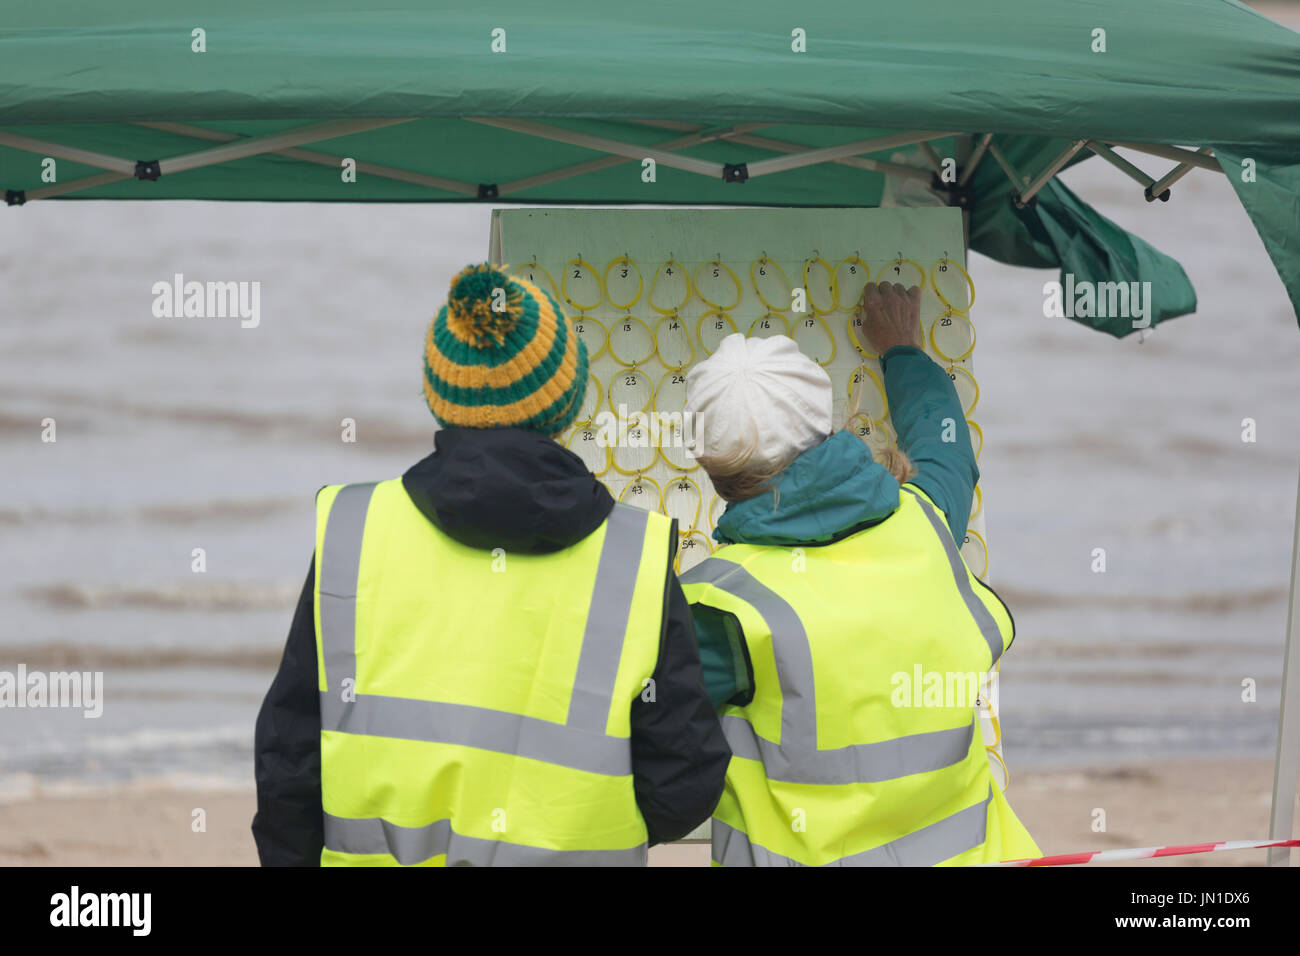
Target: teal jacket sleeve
<point x="728" y="674"/>
<point x="931" y="426"/>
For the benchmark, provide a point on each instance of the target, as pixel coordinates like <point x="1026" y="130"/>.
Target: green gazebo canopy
<point x="761" y="103"/>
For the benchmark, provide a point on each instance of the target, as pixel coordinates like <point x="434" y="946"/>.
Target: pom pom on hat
<point x="501" y="354"/>
<point x="484" y="305"/>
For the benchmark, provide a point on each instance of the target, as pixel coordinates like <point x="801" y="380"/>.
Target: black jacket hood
<point x="507" y="488"/>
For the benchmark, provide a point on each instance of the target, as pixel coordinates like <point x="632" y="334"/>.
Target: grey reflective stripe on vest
<point x="412" y="845"/>
<point x="859" y="763"/>
<point x="988" y="627"/>
<point x="796" y="758"/>
<point x="338" y="566"/>
<point x="607" y="619"/>
<point x="579" y="743"/>
<point x="942" y="840"/>
<point x="467" y="726"/>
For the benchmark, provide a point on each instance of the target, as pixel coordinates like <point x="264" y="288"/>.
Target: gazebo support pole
<point x="1159" y="188"/>
<point x="1199" y="158"/>
<point x="968" y="168"/>
<point x="1120" y="163"/>
<point x="1011" y="172"/>
<point x="1287" y="763"/>
<point x="1052" y="169"/>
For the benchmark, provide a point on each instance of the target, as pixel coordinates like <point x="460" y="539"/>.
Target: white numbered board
<point x="653" y="291"/>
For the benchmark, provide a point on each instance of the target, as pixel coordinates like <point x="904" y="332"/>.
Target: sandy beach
<point x="1175" y="802"/>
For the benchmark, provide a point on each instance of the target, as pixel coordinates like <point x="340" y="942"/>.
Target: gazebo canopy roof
<point x="754" y="104"/>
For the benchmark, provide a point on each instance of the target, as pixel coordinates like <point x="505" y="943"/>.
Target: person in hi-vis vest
<point x="492" y="662"/>
<point x="841" y="580"/>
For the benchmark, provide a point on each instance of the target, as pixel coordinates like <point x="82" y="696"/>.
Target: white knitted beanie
<point x="758" y="404"/>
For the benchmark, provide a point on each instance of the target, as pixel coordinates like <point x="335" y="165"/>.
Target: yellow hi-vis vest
<point x="475" y="705"/>
<point x="840" y="758"/>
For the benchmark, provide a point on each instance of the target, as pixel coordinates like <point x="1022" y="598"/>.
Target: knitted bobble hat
<point x="758" y="404"/>
<point x="501" y="354"/>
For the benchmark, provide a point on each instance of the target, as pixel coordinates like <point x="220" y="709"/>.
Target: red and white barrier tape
<point x="1145" y="853"/>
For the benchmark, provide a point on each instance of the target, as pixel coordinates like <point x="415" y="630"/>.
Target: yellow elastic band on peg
<point x="1006" y="773"/>
<point x="666" y="269"/>
<point x="715" y="513"/>
<point x="625" y="323"/>
<point x="715" y="317"/>
<point x="762" y="264"/>
<point x="623" y="444"/>
<point x="895" y="264"/>
<point x="580" y="264"/>
<point x="956" y="371"/>
<point x="643" y="480"/>
<point x="952" y="316"/>
<point x="690" y="540"/>
<point x="580" y="325"/>
<point x="627" y="263"/>
<point x="679" y="482"/>
<point x="717" y="265"/>
<point x="532" y="268"/>
<point x="976" y="433"/>
<point x="659" y="351"/>
<point x="595" y="406"/>
<point x="852" y="262"/>
<point x="834" y="286"/>
<point x="805" y="321"/>
<point x="970" y="283"/>
<point x="619" y="380"/>
<point x="675" y="376"/>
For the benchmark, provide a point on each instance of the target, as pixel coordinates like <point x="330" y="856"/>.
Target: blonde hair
<point x="896" y="462"/>
<point x="743" y="485"/>
<point x="734" y="482"/>
<point x="739" y="485"/>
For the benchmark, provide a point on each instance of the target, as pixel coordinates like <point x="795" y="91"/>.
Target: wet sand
<point x="1189" y="801"/>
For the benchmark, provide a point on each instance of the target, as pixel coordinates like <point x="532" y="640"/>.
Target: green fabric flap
<point x="1269" y="188"/>
<point x="1060" y="230"/>
<point x="1092" y="249"/>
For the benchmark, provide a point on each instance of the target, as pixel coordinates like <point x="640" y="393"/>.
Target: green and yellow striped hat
<point x="501" y="354"/>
